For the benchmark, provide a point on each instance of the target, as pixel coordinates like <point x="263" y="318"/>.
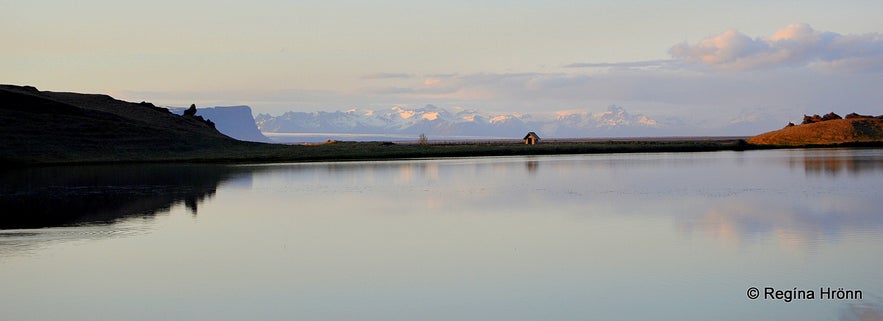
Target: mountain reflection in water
<point x="81" y="195"/>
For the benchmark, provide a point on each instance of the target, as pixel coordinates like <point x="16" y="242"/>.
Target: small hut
<point x="531" y="138"/>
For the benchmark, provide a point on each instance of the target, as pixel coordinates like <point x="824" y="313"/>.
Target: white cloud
<point x="796" y="45"/>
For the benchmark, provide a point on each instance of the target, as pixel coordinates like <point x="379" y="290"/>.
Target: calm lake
<point x="671" y="236"/>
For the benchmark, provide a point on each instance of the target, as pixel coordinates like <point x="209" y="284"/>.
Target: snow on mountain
<point x="436" y="121"/>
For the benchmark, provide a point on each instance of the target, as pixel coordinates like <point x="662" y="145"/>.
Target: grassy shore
<point x="376" y="150"/>
<point x="242" y="152"/>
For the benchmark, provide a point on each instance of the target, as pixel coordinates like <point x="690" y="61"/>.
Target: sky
<point x="700" y="62"/>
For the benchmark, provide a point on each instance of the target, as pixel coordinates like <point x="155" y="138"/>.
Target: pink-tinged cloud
<point x="796" y="45"/>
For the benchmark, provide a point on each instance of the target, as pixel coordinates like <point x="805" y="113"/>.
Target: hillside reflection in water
<point x="83" y="195"/>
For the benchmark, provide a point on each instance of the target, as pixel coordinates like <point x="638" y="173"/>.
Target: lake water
<point x="680" y="236"/>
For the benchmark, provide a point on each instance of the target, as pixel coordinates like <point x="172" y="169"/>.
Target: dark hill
<point x="50" y="127"/>
<point x="827" y="130"/>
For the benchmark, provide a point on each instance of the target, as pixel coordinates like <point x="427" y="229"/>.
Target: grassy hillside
<point x="48" y="127"/>
<point x="829" y="132"/>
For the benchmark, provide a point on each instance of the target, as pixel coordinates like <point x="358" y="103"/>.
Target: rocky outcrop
<point x="817" y="118"/>
<point x="191" y="113"/>
<point x="857" y="116"/>
<point x="831" y="116"/>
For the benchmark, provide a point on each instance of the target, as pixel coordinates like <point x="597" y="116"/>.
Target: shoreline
<point x="258" y="153"/>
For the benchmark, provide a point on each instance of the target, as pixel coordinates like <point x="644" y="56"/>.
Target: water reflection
<point x="833" y="162"/>
<point x="552" y="237"/>
<point x="793" y="226"/>
<point x="866" y="311"/>
<point x="67" y="196"/>
<point x="21" y="241"/>
<point x="532" y="165"/>
<point x="800" y="212"/>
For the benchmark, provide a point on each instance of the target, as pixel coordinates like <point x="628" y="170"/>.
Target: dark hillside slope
<point x="51" y="127"/>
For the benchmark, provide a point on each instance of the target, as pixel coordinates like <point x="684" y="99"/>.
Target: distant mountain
<point x="436" y="121"/>
<point x="234" y="121"/>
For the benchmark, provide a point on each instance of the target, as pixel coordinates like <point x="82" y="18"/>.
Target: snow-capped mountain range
<point x="436" y="121"/>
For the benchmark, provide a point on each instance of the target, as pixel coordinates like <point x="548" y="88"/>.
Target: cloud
<point x="458" y="87"/>
<point x="796" y="70"/>
<point x="629" y="64"/>
<point x="387" y="75"/>
<point x="431" y="81"/>
<point x="416" y="91"/>
<point x="796" y="45"/>
<point x="715" y="96"/>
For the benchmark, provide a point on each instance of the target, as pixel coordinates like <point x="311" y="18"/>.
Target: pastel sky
<point x="697" y="61"/>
